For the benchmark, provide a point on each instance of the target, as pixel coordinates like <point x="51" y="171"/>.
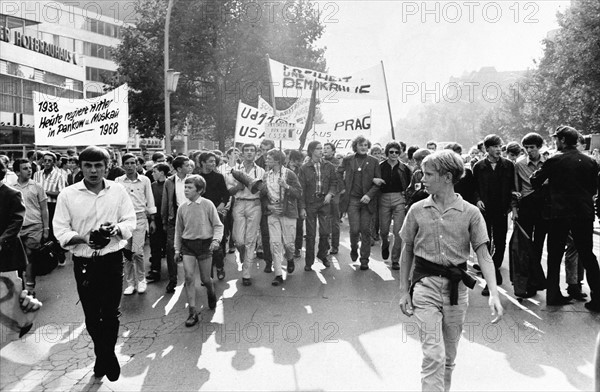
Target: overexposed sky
<point x="425" y="42"/>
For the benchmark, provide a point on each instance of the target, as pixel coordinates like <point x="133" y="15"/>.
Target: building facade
<point x="54" y="48"/>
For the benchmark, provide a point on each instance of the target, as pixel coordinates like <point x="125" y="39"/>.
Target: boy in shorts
<point x="198" y="232"/>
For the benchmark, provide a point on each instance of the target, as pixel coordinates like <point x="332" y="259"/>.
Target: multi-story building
<point x="53" y="48"/>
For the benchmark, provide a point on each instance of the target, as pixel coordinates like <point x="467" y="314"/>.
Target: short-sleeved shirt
<point x="53" y="182"/>
<point x="33" y="195"/>
<point x="444" y="237"/>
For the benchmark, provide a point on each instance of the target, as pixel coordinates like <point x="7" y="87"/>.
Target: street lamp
<point x="171" y="79"/>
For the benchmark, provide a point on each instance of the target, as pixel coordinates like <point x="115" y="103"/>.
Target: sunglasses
<point x="394" y="152"/>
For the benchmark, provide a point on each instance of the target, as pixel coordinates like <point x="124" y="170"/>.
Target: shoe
<point x="246" y="282"/>
<point x="260" y="255"/>
<point x="396" y="266"/>
<point x="486" y="291"/>
<point x="142" y="286"/>
<point x="220" y="273"/>
<point x="231" y="250"/>
<point x="325" y="262"/>
<point x="113" y="369"/>
<point x="212" y="301"/>
<point x="334" y="251"/>
<point x="364" y="267"/>
<point x="129" y="290"/>
<point x="308" y="268"/>
<point x="268" y="268"/>
<point x="191" y="320"/>
<point x="354" y="255"/>
<point x="385" y="252"/>
<point x="574" y="291"/>
<point x="560" y="301"/>
<point x="593" y="306"/>
<point x="297" y="253"/>
<point x="527" y="294"/>
<point x="277" y="281"/>
<point x="171" y="287"/>
<point x="153" y="276"/>
<point x="290" y="266"/>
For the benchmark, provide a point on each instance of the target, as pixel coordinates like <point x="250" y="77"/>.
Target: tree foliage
<point x="220" y="49"/>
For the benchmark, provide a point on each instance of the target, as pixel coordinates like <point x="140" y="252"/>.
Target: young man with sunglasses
<point x="395" y="178"/>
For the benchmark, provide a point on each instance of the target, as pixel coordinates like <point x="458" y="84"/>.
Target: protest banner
<point x="281" y="132"/>
<point x="80" y="122"/>
<point x="250" y="124"/>
<point x="296" y="113"/>
<point x="295" y="82"/>
<point x="341" y="133"/>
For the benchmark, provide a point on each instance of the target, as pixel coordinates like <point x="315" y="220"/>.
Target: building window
<point x="97" y="74"/>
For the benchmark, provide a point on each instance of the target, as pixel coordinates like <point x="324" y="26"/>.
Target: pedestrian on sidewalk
<point x="437" y="234"/>
<point x="198" y="233"/>
<point x="94" y="219"/>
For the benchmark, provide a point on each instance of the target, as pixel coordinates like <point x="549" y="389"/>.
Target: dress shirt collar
<point x="457" y="204"/>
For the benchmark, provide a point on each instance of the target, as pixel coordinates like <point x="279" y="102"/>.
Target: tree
<point x="220" y="49"/>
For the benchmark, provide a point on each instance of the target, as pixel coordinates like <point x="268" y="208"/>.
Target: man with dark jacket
<point x="395" y="178"/>
<point x="572" y="178"/>
<point x="318" y="179"/>
<point x="495" y="182"/>
<point x="329" y="156"/>
<point x="173" y="196"/>
<point x="359" y="170"/>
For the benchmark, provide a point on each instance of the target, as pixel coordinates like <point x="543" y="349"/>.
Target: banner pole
<point x="272" y="91"/>
<point x="388" y="101"/>
<point x="236" y="125"/>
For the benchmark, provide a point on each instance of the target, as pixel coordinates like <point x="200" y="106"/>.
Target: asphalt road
<point x="328" y="329"/>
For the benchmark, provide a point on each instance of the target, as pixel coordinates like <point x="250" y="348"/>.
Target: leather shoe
<point x="220" y="273"/>
<point x="268" y="268"/>
<point x="277" y="281"/>
<point x="308" y="268"/>
<point x="396" y="266"/>
<point x="246" y="282"/>
<point x="574" y="291"/>
<point x="153" y="276"/>
<point x="191" y="320"/>
<point x="364" y="267"/>
<point x="485" y="292"/>
<point x="593" y="306"/>
<point x="560" y="301"/>
<point x="325" y="262"/>
<point x="334" y="251"/>
<point x="291" y="266"/>
<point x="99" y="370"/>
<point x="170" y="289"/>
<point x="354" y="255"/>
<point x="385" y="252"/>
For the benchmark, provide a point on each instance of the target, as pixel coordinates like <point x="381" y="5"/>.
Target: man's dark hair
<point x="140" y="160"/>
<point x="268" y="142"/>
<point x="492" y="140"/>
<point x="513" y="148"/>
<point x="206" y="155"/>
<point x="94" y="154"/>
<point x="295" y="155"/>
<point x="157" y="155"/>
<point x="248" y="145"/>
<point x="430" y="143"/>
<point x="17" y="164"/>
<point x="411" y="151"/>
<point x="360" y="140"/>
<point x="532" y="138"/>
<point x="457" y="148"/>
<point x="311" y="147"/>
<point x="2" y="170"/>
<point x="179" y="161"/>
<point x="126" y="157"/>
<point x="163" y="167"/>
<point x="392" y="144"/>
<point x="30" y="153"/>
<point x="169" y="158"/>
<point x="402" y="147"/>
<point x="330" y="145"/>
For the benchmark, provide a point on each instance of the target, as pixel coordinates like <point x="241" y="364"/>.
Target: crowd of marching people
<point x="268" y="204"/>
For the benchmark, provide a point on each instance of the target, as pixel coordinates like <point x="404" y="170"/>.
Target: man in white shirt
<point x="139" y="188"/>
<point x="81" y="211"/>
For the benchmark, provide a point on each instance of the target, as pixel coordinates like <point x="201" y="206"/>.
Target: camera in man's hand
<point x="99" y="238"/>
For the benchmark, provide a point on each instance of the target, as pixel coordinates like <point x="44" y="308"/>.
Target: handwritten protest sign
<point x="297" y="113"/>
<point x="250" y="124"/>
<point x="77" y="122"/>
<point x="281" y="131"/>
<point x="295" y="82"/>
